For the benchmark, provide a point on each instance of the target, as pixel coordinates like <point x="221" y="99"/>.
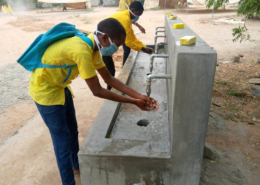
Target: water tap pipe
<point x="156" y="36"/>
<point x="157" y="45"/>
<point x="159" y="27"/>
<point x="157" y="31"/>
<point x="156" y="56"/>
<point x="152" y="76"/>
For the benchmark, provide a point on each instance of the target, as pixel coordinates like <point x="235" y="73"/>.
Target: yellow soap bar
<point x="178" y="26"/>
<point x="168" y="12"/>
<point x="188" y="40"/>
<point x="172" y="17"/>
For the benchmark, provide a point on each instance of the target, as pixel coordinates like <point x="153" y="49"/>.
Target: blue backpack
<point x="31" y="58"/>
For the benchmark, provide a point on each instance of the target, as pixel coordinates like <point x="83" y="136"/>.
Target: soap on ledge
<point x="172" y="17"/>
<point x="178" y="26"/>
<point x="188" y="40"/>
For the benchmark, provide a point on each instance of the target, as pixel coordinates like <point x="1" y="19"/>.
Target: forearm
<point x="136" y="24"/>
<point x="106" y="94"/>
<point x="117" y="84"/>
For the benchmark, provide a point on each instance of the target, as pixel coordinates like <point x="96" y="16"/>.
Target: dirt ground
<point x="26" y="151"/>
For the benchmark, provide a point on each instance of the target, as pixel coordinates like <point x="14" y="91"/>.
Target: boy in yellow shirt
<point x="126" y="18"/>
<point x="53" y="96"/>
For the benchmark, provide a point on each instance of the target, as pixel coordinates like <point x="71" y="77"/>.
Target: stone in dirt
<point x="235" y="59"/>
<point x="256" y="90"/>
<point x="209" y="151"/>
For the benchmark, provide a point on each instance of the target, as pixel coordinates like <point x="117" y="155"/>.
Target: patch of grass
<point x="177" y="7"/>
<point x="256" y="105"/>
<point x="233" y="92"/>
<point x="154" y="8"/>
<point x="253" y="61"/>
<point x="222" y="83"/>
<point x="88" y="9"/>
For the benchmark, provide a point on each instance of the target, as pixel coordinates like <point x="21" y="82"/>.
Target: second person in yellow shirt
<point x="126" y="18"/>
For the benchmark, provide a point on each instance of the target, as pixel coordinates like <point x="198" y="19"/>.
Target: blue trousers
<point x="62" y="124"/>
<point x="126" y="53"/>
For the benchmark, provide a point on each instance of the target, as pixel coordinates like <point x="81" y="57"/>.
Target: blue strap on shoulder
<point x="85" y="39"/>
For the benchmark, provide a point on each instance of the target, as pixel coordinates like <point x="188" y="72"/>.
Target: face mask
<point x="105" y="51"/>
<point x="136" y="16"/>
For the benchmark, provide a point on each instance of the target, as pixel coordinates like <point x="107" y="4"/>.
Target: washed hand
<point x="150" y="102"/>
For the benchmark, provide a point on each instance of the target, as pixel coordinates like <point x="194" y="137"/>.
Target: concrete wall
<point x="193" y="71"/>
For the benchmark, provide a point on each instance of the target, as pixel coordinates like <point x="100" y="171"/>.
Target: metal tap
<point x="156" y="36"/>
<point x="159" y="27"/>
<point x="156" y="56"/>
<point x="157" y="31"/>
<point x="149" y="80"/>
<point x="159" y="44"/>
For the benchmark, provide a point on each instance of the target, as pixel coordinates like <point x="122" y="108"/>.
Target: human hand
<point x="148" y="50"/>
<point x="152" y="102"/>
<point x="141" y="29"/>
<point x="143" y="105"/>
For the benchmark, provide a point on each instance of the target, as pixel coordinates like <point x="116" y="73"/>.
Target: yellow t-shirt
<point x="46" y="87"/>
<point x="131" y="41"/>
<point x="122" y="4"/>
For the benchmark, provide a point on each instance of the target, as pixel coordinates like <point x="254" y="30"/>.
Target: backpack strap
<point x="85" y="39"/>
<point x="61" y="66"/>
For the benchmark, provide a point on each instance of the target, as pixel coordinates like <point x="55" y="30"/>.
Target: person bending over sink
<point x="61" y="63"/>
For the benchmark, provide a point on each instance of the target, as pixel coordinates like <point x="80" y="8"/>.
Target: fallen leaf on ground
<point x="250" y="123"/>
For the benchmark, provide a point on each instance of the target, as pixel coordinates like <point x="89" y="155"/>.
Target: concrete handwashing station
<point x="127" y="146"/>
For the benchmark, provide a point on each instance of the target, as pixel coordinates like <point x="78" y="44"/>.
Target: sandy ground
<point x="26" y="151"/>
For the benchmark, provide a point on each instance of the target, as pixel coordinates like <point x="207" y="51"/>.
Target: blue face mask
<point x="136" y="18"/>
<point x="105" y="51"/>
<point x="108" y="51"/>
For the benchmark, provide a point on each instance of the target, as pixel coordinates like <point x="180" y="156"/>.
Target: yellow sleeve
<point x="97" y="61"/>
<point x="84" y="63"/>
<point x="131" y="41"/>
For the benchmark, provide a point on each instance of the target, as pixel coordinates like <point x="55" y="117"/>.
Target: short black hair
<point x="112" y="27"/>
<point x="137" y="5"/>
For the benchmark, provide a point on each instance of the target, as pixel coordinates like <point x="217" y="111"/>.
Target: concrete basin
<point x="127" y="146"/>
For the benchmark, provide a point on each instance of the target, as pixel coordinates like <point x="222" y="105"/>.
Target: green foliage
<point x="233" y="92"/>
<point x="240" y="34"/>
<point x="249" y="8"/>
<point x="218" y="3"/>
<point x="33" y="1"/>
